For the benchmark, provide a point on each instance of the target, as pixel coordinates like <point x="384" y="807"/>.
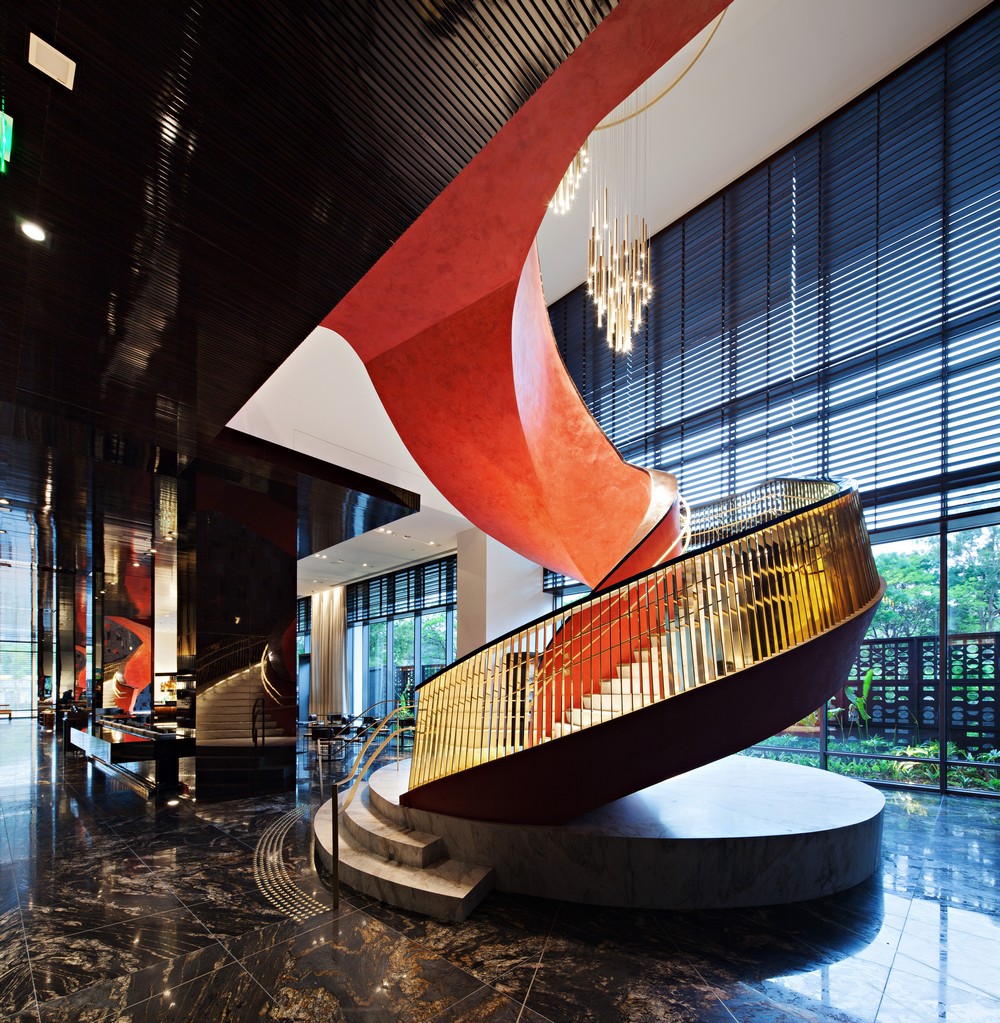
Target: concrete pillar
<point x="498" y="590"/>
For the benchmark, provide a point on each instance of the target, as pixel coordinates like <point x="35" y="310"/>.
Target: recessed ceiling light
<point x="33" y="231"/>
<point x="317" y="555"/>
<point x="152" y="550"/>
<point x="4" y="500"/>
<point x="135" y="564"/>
<point x="3" y="530"/>
<point x="364" y="564"/>
<point x="50" y="61"/>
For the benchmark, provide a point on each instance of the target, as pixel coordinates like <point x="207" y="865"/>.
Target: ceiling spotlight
<point x="364" y="564"/>
<point x="3" y="530"/>
<point x="4" y="500"/>
<point x="169" y="538"/>
<point x="33" y="231"/>
<point x="317" y="555"/>
<point x="152" y="550"/>
<point x="135" y="564"/>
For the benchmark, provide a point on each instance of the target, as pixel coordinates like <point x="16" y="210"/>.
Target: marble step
<point x="447" y="890"/>
<point x="229" y="714"/>
<point x="560" y="728"/>
<point x="234" y="729"/>
<point x="625" y="686"/>
<point x="619" y="702"/>
<point x="641" y="671"/>
<point x="393" y="841"/>
<point x="587" y="718"/>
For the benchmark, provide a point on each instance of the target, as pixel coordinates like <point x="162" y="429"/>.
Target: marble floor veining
<point x="112" y="908"/>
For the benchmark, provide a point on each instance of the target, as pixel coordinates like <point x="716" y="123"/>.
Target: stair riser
<point x="407" y="847"/>
<point x="415" y="900"/>
<point x="626" y="687"/>
<point x="641" y="672"/>
<point x="587" y="718"/>
<point x="392" y="812"/>
<point x="618" y="704"/>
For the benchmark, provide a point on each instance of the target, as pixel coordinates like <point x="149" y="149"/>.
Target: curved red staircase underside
<point x="452" y="326"/>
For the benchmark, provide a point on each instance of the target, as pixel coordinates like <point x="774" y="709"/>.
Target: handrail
<point x="695" y="541"/>
<point x="258" y="706"/>
<point x="773" y="567"/>
<point x="766" y="502"/>
<point x="380" y="703"/>
<point x="269" y="686"/>
<point x="360" y="774"/>
<point x="358" y="763"/>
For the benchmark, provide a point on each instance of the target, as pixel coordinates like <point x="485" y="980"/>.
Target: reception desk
<point x="126" y="744"/>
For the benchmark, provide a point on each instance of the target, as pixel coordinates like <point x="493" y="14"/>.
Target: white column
<point x="498" y="590"/>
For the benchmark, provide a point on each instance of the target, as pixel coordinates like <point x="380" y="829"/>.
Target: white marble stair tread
<point x="382" y="836"/>
<point x="446" y="890"/>
<point x="618" y="702"/>
<point x="560" y="728"/>
<point x="586" y="718"/>
<point x="617" y="686"/>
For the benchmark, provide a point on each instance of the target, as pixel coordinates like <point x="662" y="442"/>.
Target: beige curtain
<point x="328" y="692"/>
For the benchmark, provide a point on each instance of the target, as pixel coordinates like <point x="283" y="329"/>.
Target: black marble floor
<point x="112" y="909"/>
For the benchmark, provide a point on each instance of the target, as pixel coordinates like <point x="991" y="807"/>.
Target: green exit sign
<point x="6" y="134"/>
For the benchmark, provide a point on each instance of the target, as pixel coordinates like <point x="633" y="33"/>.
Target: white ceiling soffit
<point x="321" y="402"/>
<point x="774" y="69"/>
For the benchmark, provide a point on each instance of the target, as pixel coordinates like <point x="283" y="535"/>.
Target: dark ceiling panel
<point x="220" y="176"/>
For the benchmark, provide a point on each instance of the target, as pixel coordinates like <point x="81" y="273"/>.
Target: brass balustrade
<point x="767" y="570"/>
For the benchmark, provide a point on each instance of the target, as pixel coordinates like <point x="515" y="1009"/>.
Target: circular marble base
<point x="738" y="832"/>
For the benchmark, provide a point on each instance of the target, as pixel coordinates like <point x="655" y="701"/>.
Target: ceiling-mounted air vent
<point x="49" y="60"/>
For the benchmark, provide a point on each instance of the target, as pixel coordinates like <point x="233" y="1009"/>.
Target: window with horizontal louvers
<point x="836" y="311"/>
<point x="432" y="584"/>
<point x="303" y="616"/>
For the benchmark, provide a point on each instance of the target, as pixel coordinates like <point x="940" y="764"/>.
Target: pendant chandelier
<point x="618" y="246"/>
<point x="562" y="201"/>
<point x="618" y="252"/>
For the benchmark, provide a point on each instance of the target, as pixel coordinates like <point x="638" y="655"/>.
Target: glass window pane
<point x="889" y="704"/>
<point x="377" y="683"/>
<point x="433" y="643"/>
<point x="403" y="658"/>
<point x="970" y="677"/>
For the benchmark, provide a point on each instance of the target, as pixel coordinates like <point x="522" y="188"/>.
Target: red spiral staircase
<point x="755" y="626"/>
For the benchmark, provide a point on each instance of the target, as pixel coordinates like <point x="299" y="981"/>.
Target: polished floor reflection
<point x="111" y="909"/>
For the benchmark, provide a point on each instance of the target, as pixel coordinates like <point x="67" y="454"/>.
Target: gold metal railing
<point x="771" y="568"/>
